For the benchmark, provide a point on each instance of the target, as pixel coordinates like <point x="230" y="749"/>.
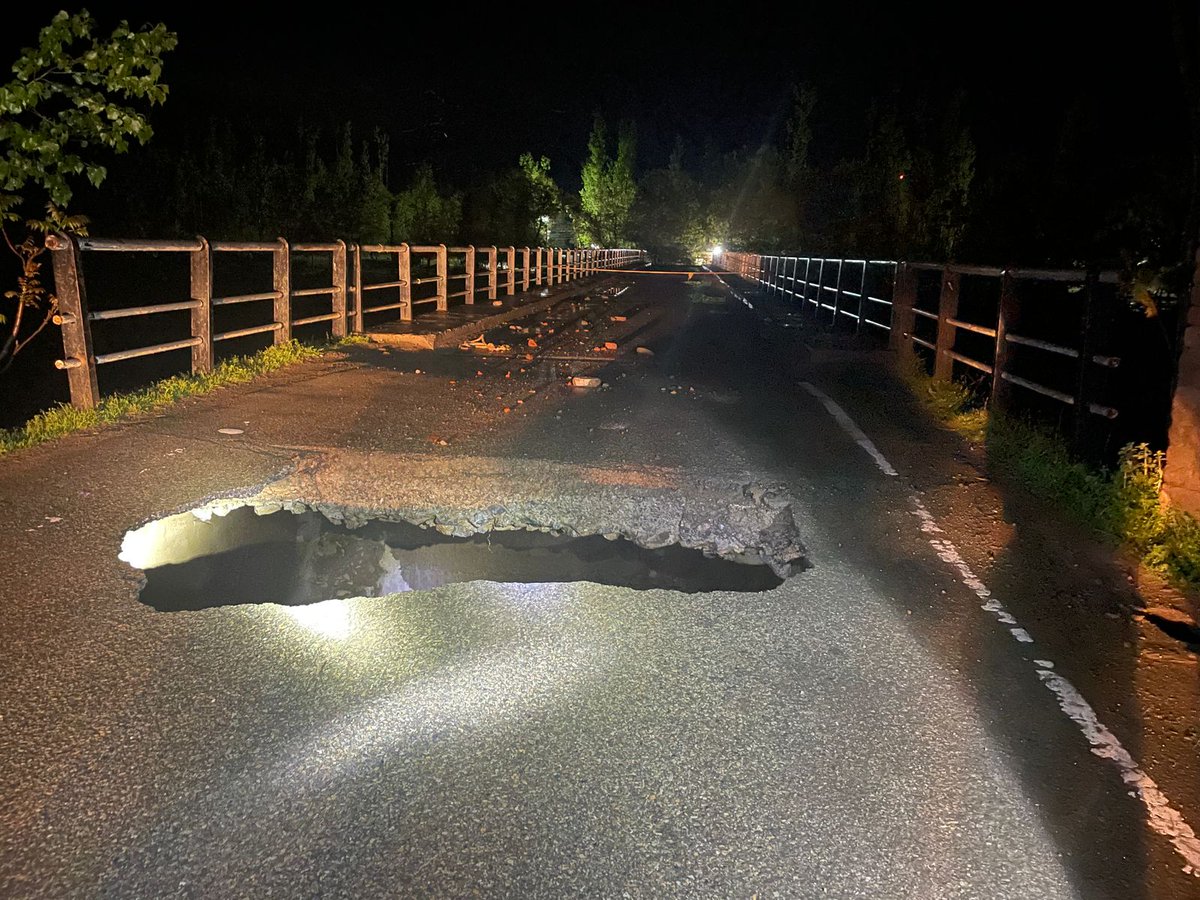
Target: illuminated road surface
<point x="872" y="728"/>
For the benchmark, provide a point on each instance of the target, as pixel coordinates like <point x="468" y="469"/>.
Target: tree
<point x="545" y="198"/>
<point x="670" y="219"/>
<point x="514" y="206"/>
<point x="74" y="94"/>
<point x="422" y="214"/>
<point x="609" y="188"/>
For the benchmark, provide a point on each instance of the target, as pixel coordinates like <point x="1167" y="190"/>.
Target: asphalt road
<point x="873" y="727"/>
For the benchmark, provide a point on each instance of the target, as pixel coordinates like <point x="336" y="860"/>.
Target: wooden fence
<point x="883" y="296"/>
<point x="484" y="270"/>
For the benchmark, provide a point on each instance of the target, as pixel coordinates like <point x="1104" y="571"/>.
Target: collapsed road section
<point x="330" y="530"/>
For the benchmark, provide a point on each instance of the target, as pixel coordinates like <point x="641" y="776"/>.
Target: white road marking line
<point x="1160" y="815"/>
<point x="852" y="429"/>
<point x="730" y="288"/>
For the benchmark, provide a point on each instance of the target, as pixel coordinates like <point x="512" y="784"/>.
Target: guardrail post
<point x="493" y="255"/>
<point x="524" y="269"/>
<point x="339" y="290"/>
<point x="202" y="282"/>
<point x="837" y="295"/>
<point x="469" y="283"/>
<point x="512" y="270"/>
<point x="862" y="298"/>
<point x="904" y="299"/>
<point x="1006" y="320"/>
<point x="820" y="287"/>
<point x="358" y="291"/>
<point x="281" y="277"/>
<point x="1091" y="328"/>
<point x="943" y="365"/>
<point x="404" y="276"/>
<point x="443" y="300"/>
<point x="78" y="358"/>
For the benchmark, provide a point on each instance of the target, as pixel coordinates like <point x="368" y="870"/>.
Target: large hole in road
<point x="195" y="561"/>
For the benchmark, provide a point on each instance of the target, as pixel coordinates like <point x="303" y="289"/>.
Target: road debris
<point x="479" y="345"/>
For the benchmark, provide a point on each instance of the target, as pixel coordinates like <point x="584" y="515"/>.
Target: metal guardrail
<point x="864" y="290"/>
<point x="348" y="292"/>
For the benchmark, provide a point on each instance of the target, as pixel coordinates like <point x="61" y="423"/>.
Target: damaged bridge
<point x="624" y="589"/>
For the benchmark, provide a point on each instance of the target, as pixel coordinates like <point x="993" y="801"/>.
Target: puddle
<point x="192" y="563"/>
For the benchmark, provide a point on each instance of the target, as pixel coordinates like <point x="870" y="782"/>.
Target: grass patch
<point x="65" y="419"/>
<point x="953" y="404"/>
<point x="1123" y="502"/>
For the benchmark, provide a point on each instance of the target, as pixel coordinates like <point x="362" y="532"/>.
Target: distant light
<point x="901" y="176"/>
<point x="330" y="618"/>
<point x="717" y="250"/>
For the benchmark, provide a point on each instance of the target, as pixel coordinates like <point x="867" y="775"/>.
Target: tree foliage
<point x="74" y="96"/>
<point x="515" y="205"/>
<point x="609" y="187"/>
<point x="423" y="214"/>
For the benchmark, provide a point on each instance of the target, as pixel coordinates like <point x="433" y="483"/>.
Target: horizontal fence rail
<point x="883" y="295"/>
<point x="344" y="302"/>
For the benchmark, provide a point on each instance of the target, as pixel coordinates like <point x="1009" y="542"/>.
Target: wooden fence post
<point x="358" y="291"/>
<point x="281" y="276"/>
<point x="943" y="365"/>
<point x="904" y="299"/>
<point x="339" y="289"/>
<point x="512" y="270"/>
<point x="1005" y="321"/>
<point x="404" y="276"/>
<point x="443" y="300"/>
<point x="524" y="269"/>
<point x="469" y="282"/>
<point x="537" y="275"/>
<point x="202" y="290"/>
<point x="78" y="358"/>
<point x="493" y="253"/>
<point x="549" y="267"/>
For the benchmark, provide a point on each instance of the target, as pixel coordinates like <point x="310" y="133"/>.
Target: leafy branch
<point x="73" y="94"/>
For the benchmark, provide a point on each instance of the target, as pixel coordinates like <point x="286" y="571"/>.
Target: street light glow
<point x="717" y="250"/>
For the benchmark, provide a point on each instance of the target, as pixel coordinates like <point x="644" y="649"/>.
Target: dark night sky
<point x="470" y="93"/>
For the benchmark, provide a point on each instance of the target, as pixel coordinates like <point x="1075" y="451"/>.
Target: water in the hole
<point x="292" y="559"/>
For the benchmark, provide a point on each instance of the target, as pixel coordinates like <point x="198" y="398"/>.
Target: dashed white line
<point x="1160" y="815"/>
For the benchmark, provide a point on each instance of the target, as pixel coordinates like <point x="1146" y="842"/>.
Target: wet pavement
<point x="865" y="729"/>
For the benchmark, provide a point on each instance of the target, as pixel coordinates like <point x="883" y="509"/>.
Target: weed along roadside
<point x="1122" y="503"/>
<point x="65" y="419"/>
